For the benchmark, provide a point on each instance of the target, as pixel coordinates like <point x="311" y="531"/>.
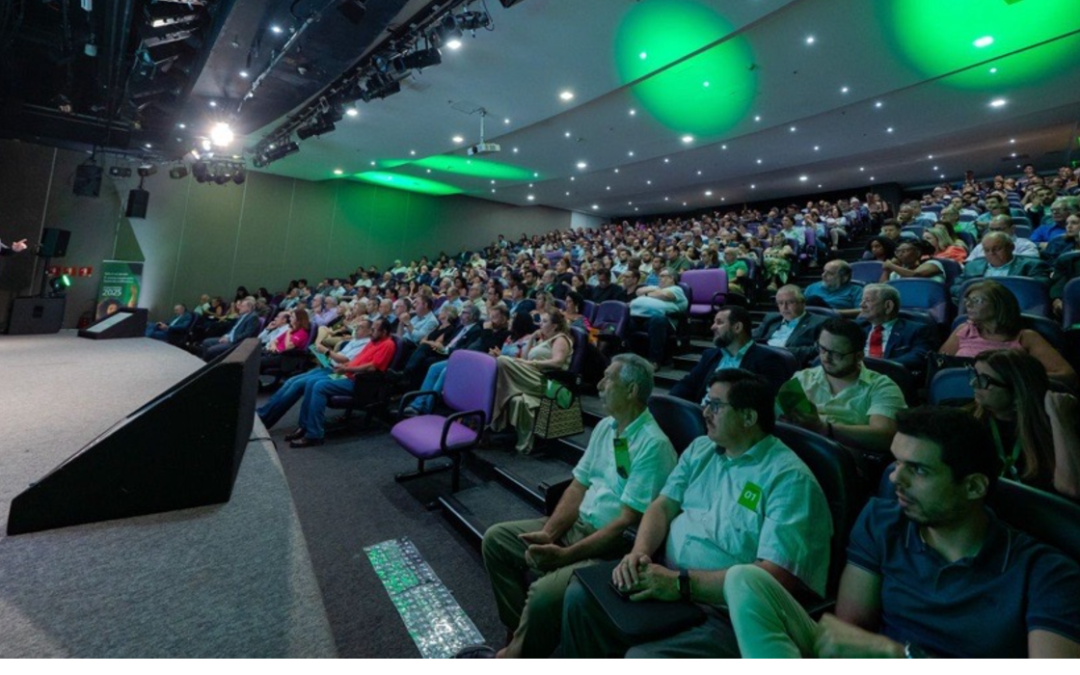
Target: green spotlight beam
<point x="402" y="182"/>
<point x="936" y="37"/>
<point x="706" y="95"/>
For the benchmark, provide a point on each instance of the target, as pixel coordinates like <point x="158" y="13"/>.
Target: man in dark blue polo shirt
<point x="932" y="573"/>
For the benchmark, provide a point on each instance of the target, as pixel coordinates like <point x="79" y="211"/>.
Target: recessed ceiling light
<point x="878" y="104"/>
<point x="1013" y="155"/>
<point x="571" y="179"/>
<point x="182" y="125"/>
<point x="723" y="199"/>
<point x="338" y="172"/>
<point x="567" y="134"/>
<point x="862" y="168"/>
<point x="998" y="103"/>
<point x="803" y="179"/>
<point x="275" y="29"/>
<point x="635" y="208"/>
<point x="666" y="160"/>
<point x="708" y="193"/>
<point x="648" y="182"/>
<point x="889" y="130"/>
<point x="929" y="156"/>
<point x="566" y="95"/>
<point x="582" y="165"/>
<point x="244" y="74"/>
<point x="687" y="139"/>
<point x="792" y="129"/>
<point x="631" y="153"/>
<point x="872" y="178"/>
<point x="759" y="161"/>
<point x="148" y="145"/>
<point x="632" y="111"/>
<point x="530" y="186"/>
<point x="629" y="203"/>
<point x="616" y="171"/>
<point x="817" y="147"/>
<point x="934" y="169"/>
<point x="413" y="153"/>
<point x="373" y="164"/>
<point x="213" y="104"/>
<point x="1011" y="140"/>
<point x="699" y="173"/>
<point x="844" y="90"/>
<point x="819" y="186"/>
<point x="943" y="175"/>
<point x="993" y="71"/>
<point x="506" y="121"/>
<point x="984" y="41"/>
<point x="643" y="55"/>
<point x="531" y="197"/>
<point x="567" y="193"/>
<point x="809" y="39"/>
<point x="757" y="118"/>
<point x="723" y="147"/>
<point x="515" y="151"/>
<point x="458" y="139"/>
<point x="595" y="207"/>
<point x="608" y="187"/>
<point x="492" y="190"/>
<point x="753" y="187"/>
<point x="667" y="199"/>
<point x="705" y="83"/>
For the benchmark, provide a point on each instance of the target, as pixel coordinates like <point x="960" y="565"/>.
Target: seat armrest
<point x="479" y="415"/>
<point x="412" y="395"/>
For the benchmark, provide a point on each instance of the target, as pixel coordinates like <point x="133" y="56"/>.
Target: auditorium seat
<point x="469" y="393"/>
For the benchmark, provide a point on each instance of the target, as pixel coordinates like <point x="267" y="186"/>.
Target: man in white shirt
<point x="622" y="471"/>
<point x="1004" y="223"/>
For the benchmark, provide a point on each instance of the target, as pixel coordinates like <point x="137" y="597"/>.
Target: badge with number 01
<point x="622" y="457"/>
<point x="750" y="497"/>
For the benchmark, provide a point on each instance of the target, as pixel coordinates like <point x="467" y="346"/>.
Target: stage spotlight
<point x="448" y="30"/>
<point x="200" y="171"/>
<point x="221" y="134"/>
<point x="240" y="176"/>
<point x="120" y="172"/>
<point x="59" y="285"/>
<point x="422" y="58"/>
<point x="320" y="126"/>
<point x="473" y="20"/>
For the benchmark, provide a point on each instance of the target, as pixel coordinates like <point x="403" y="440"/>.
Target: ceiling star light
<point x="759" y="161"/>
<point x="567" y="134"/>
<point x="632" y="112"/>
<point x="687" y="139"/>
<point x="244" y="74"/>
<point x="631" y="153"/>
<point x="708" y="193"/>
<point x="792" y="129"/>
<point x="1012" y="141"/>
<point x="595" y="207"/>
<point x="810" y="39"/>
<point x="817" y="147"/>
<point x="753" y="187"/>
<point x="935" y="168"/>
<point x="878" y="104"/>
<point x="757" y="118"/>
<point x="276" y="30"/>
<point x="643" y="55"/>
<point x="582" y="165"/>
<point x="566" y="95"/>
<point x="458" y="139"/>
<point x="998" y="103"/>
<point x="666" y="160"/>
<point x="984" y="41"/>
<point x="803" y="179"/>
<point x="506" y="121"/>
<point x="889" y="130"/>
<point x="844" y="90"/>
<point x="993" y="71"/>
<point x="531" y="198"/>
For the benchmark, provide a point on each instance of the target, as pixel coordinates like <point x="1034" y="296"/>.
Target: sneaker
<point x="409" y="412"/>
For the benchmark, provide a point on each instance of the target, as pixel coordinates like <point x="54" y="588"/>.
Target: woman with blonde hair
<point x="944" y="247"/>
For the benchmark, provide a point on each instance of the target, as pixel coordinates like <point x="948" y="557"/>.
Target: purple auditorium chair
<point x="708" y="291"/>
<point x="589" y="310"/>
<point x="925" y="294"/>
<point x="612" y="318"/>
<point x="385" y="382"/>
<point x="1032" y="294"/>
<point x="469" y="393"/>
<point x="866" y="271"/>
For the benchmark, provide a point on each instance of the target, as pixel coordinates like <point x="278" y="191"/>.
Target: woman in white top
<point x="911" y="263"/>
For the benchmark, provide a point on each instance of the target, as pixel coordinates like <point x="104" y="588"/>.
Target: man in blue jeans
<point x="296" y="387"/>
<point x="374" y="358"/>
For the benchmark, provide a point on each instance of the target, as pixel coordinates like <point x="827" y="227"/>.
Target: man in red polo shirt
<point x="374" y="358"/>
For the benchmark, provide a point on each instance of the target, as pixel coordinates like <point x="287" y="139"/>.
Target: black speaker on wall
<point x="54" y="242"/>
<point x="156" y="459"/>
<point x="138" y="201"/>
<point x="87" y="180"/>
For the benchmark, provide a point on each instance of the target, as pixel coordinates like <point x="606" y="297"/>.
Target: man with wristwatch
<point x="737" y="496"/>
<point x="932" y="572"/>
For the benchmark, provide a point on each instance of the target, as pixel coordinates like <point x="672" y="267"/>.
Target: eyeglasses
<point x="832" y="353"/>
<point x="983" y="381"/>
<point x="713" y="405"/>
<point x="975" y="300"/>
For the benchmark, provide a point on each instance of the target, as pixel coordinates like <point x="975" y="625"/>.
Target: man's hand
<point x="538" y="538"/>
<point x="545" y="557"/>
<point x="837" y="639"/>
<point x="627" y="573"/>
<point x="656" y="582"/>
<point x="340" y="369"/>
<point x="18" y="245"/>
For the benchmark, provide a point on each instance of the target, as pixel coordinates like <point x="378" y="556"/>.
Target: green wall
<point x="210" y="239"/>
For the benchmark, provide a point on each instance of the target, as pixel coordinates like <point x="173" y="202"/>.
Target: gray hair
<point x="634" y="369"/>
<point x="471" y="311"/>
<point x="885" y="292"/>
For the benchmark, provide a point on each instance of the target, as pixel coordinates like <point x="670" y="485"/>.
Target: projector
<point x="484" y="149"/>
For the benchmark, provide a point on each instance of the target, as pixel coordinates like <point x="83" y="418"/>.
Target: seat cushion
<point x="420" y="435"/>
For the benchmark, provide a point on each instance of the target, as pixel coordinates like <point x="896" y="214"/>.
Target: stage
<point x="233" y="580"/>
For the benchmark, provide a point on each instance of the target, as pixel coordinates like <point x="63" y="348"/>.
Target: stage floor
<point x="233" y="580"/>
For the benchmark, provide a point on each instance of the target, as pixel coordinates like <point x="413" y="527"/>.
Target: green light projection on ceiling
<point x="705" y="95"/>
<point x="938" y="37"/>
<point x="403" y="182"/>
<point x="468" y="166"/>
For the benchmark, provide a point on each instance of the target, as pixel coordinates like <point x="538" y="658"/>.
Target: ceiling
<point x="677" y="104"/>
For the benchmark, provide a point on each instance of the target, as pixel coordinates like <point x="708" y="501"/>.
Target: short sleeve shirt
<point x="847" y="296"/>
<point x="872" y="394"/>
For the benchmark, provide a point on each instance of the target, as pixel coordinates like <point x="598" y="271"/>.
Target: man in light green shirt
<point x="622" y="471"/>
<point x="738" y="496"/>
<point x="855" y="405"/>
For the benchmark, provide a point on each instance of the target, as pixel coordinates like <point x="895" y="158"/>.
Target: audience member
<point x="175" y="329"/>
<point x="246" y="326"/>
<point x="888" y="335"/>
<point x="836" y="289"/>
<point x="911" y="262"/>
<point x="793" y="328"/>
<point x="737" y="496"/>
<point x="1004" y="223"/>
<point x="660" y="308"/>
<point x="900" y="553"/>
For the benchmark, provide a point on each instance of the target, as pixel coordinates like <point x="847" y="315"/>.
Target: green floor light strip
<point x="435" y="621"/>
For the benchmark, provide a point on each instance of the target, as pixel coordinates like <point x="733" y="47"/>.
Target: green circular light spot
<point x="707" y="94"/>
<point x="938" y="37"/>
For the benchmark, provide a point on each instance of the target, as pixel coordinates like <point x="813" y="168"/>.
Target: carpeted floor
<point x="233" y="580"/>
<point x="347" y="498"/>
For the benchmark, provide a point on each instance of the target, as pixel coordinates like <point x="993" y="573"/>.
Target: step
<point x="475" y="509"/>
<point x="686" y="362"/>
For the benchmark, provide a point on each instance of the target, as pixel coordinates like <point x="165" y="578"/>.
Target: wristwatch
<point x="684" y="585"/>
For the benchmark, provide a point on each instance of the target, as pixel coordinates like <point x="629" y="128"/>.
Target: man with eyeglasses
<point x="932" y="572"/>
<point x="622" y="471"/>
<point x="1060" y="211"/>
<point x="855" y="405"/>
<point x="792" y="328"/>
<point x="1004" y="223"/>
<point x="737" y="496"/>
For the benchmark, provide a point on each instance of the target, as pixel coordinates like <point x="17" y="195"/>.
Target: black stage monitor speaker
<point x="54" y="242"/>
<point x="138" y="201"/>
<point x="127" y="322"/>
<point x="88" y="180"/>
<point x="181" y="450"/>
<point x="36" y="316"/>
